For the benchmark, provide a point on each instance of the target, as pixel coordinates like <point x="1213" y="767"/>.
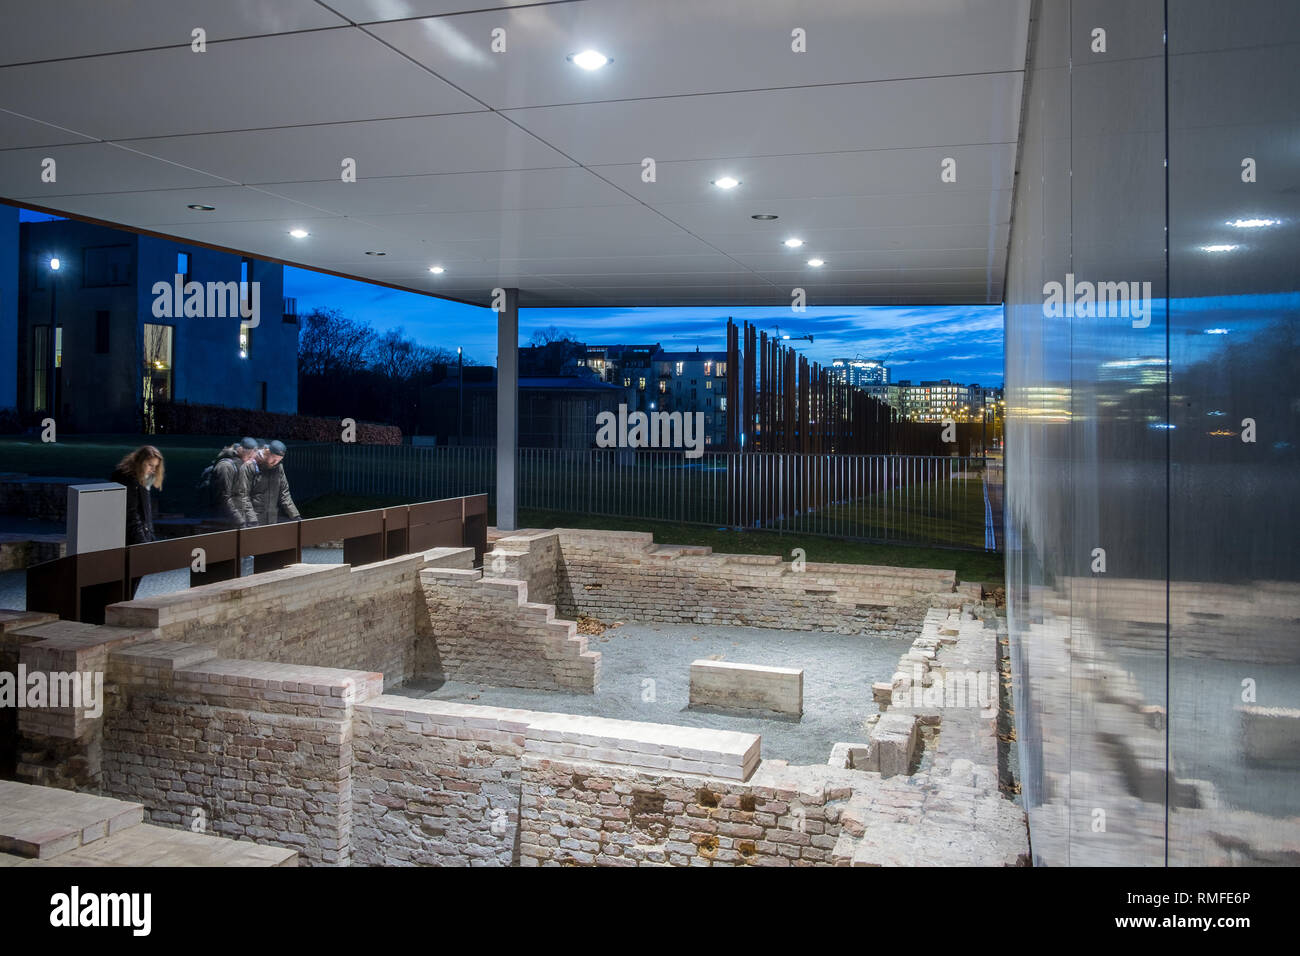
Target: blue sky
<point x="962" y="343"/>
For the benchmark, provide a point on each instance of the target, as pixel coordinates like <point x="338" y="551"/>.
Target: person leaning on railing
<point x="262" y="489"/>
<point x="139" y="472"/>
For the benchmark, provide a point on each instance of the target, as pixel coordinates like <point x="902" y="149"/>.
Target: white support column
<point x="508" y="412"/>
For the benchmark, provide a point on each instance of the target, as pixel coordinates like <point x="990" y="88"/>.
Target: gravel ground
<point x="838" y="673"/>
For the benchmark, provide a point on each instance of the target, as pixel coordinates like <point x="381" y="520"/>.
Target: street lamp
<point x="51" y="387"/>
<point x="460" y="397"/>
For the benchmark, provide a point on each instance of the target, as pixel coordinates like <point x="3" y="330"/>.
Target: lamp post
<point x="51" y="388"/>
<point x="460" y="396"/>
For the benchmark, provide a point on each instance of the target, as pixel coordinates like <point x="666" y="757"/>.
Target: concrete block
<point x="734" y="686"/>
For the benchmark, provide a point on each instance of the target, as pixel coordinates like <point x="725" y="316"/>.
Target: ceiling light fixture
<point x="1253" y="223"/>
<point x="1221" y="247"/>
<point x="764" y="217"/>
<point x="200" y="207"/>
<point x="816" y="263"/>
<point x="794" y="243"/>
<point x="589" y="59"/>
<point x="437" y="270"/>
<point x="299" y="233"/>
<point x="726" y="182"/>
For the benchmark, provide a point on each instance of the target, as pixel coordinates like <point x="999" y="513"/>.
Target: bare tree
<point x="332" y="344"/>
<point x="551" y="334"/>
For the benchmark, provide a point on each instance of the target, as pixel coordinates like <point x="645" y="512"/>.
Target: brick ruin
<point x="260" y="703"/>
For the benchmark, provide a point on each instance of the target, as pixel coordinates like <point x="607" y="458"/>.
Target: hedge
<point x="183" y="418"/>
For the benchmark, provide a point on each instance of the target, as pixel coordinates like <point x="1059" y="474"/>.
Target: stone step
<point x="148" y="845"/>
<point x="43" y="822"/>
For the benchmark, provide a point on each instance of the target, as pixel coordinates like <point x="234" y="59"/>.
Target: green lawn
<point x="95" y="457"/>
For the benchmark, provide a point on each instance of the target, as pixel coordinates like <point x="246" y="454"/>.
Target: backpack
<point x="206" y="487"/>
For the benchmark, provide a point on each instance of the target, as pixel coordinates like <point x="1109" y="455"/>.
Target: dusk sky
<point x="962" y="343"/>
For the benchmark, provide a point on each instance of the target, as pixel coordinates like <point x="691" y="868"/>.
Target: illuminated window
<point x="640" y="384"/>
<point x="708" y="368"/>
<point x="708" y="383"/>
<point x="680" y="366"/>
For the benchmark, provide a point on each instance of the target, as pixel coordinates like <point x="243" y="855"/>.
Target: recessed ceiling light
<point x="764" y="217"/>
<point x="299" y="233"/>
<point x="1253" y="223"/>
<point x="200" y="207"/>
<point x="794" y="243"/>
<point x="376" y="253"/>
<point x="589" y="59"/>
<point x="437" y="270"/>
<point x="1221" y="247"/>
<point x="726" y="182"/>
<point x="816" y="263"/>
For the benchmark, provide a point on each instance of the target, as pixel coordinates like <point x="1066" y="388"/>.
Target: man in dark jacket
<point x="262" y="492"/>
<point x="225" y="482"/>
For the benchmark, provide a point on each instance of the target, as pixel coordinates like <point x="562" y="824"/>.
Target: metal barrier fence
<point x="914" y="499"/>
<point x="80" y="586"/>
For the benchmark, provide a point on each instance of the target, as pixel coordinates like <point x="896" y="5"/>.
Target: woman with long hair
<point x="140" y="471"/>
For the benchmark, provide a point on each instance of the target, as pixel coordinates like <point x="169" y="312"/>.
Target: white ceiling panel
<point x="59" y="29"/>
<point x="18" y="132"/>
<point x="518" y="168"/>
<point x="961" y="207"/>
<point x="811" y="175"/>
<point x="459" y="143"/>
<point x="685" y="48"/>
<point x="160" y="209"/>
<point x="91" y="168"/>
<point x="621" y="221"/>
<point x="941" y="111"/>
<point x="869" y="243"/>
<point x="326" y="76"/>
<point x="458" y="192"/>
<point x="368" y="11"/>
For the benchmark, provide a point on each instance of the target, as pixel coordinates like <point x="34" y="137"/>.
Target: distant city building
<point x="693" y="382"/>
<point x="934" y="401"/>
<point x="859" y="373"/>
<point x="114" y="357"/>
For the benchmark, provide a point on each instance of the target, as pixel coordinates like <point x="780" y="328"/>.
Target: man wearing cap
<point x="224" y="482"/>
<point x="262" y="492"/>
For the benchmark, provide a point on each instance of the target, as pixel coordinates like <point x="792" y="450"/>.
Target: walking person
<point x="262" y="492"/>
<point x="221" y="481"/>
<point x="140" y="472"/>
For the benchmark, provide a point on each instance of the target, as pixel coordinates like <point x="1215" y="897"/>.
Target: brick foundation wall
<point x="577" y="813"/>
<point x="486" y="629"/>
<point x="624" y="575"/>
<point x="435" y="783"/>
<point x="262" y="751"/>
<point x="366" y="618"/>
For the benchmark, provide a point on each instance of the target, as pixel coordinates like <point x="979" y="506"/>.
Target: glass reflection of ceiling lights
<point x="1252" y="223"/>
<point x="1220" y="247"/>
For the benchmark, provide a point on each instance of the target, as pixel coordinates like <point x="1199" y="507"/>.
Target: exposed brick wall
<point x="577" y="813"/>
<point x="486" y="629"/>
<point x="624" y="575"/>
<point x="368" y="618"/>
<point x="531" y="558"/>
<point x="435" y="783"/>
<point x="263" y="751"/>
